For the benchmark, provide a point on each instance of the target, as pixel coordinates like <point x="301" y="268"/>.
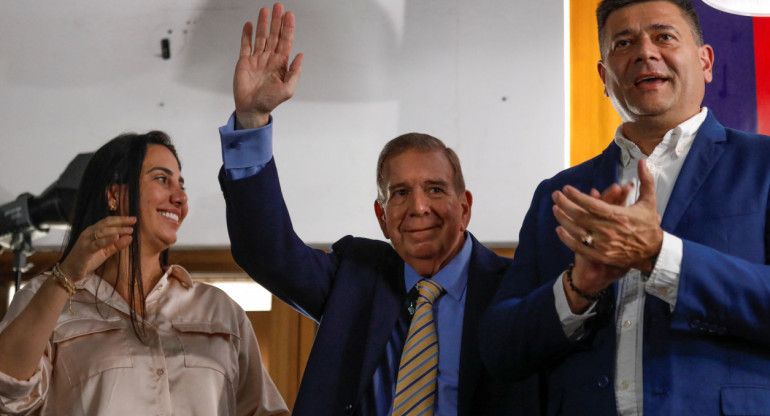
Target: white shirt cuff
<point x="571" y="323"/>
<point x="664" y="279"/>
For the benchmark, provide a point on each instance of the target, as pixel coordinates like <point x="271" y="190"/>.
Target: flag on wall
<point x="740" y="92"/>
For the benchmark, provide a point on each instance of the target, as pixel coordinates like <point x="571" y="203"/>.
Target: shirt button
<point x="602" y="381"/>
<point x="650" y="167"/>
<point x="160" y="371"/>
<point x="626" y="324"/>
<point x="624" y="385"/>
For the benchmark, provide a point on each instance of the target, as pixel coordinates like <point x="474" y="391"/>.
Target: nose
<point x="179" y="196"/>
<point x="419" y="204"/>
<point x="647" y="49"/>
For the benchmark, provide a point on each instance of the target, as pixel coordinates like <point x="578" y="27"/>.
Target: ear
<point x="379" y="211"/>
<point x="466" y="201"/>
<point x="113" y="196"/>
<point x="603" y="75"/>
<point x="707" y="62"/>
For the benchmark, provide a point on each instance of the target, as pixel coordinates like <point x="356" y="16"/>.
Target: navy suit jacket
<point x="711" y="355"/>
<point x="356" y="293"/>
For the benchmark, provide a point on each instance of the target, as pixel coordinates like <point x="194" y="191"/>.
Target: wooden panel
<point x="260" y="320"/>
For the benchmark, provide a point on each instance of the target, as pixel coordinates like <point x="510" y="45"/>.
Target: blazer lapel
<point x="387" y="300"/>
<point x="484" y="274"/>
<point x="702" y="157"/>
<point x="606" y="171"/>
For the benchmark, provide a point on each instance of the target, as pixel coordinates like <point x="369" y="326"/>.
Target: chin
<point x="166" y="243"/>
<point x="423" y="255"/>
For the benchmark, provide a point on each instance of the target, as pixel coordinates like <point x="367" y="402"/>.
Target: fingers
<point x="119" y="244"/>
<point x="246" y="40"/>
<point x="275" y="27"/>
<point x="286" y="39"/>
<point x="263" y="22"/>
<point x="614" y="195"/>
<point x="295" y="69"/>
<point x="597" y="207"/>
<point x="109" y="230"/>
<point x="97" y="242"/>
<point x="572" y="208"/>
<point x="569" y="226"/>
<point x="260" y="40"/>
<point x="107" y="235"/>
<point x="577" y="246"/>
<point x="646" y="184"/>
<point x="567" y="238"/>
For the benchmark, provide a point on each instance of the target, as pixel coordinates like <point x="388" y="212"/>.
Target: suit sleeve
<point x="264" y="244"/>
<point x="521" y="331"/>
<point x="722" y="295"/>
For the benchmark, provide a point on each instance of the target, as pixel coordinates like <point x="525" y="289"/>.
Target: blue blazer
<point x="711" y="355"/>
<point x="356" y="293"/>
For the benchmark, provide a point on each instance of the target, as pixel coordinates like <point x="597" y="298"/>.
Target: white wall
<point x="485" y="76"/>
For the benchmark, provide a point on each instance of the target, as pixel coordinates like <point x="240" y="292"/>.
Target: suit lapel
<point x="388" y="297"/>
<point x="606" y="171"/>
<point x="700" y="160"/>
<point x="484" y="274"/>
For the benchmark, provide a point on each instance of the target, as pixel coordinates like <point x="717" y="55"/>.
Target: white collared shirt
<point x="664" y="163"/>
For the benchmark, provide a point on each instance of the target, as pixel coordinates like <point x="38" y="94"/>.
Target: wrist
<point x="70" y="271"/>
<point x="245" y="121"/>
<point x="588" y="295"/>
<point x="649" y="265"/>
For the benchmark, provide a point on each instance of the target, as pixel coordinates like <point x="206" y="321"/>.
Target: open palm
<point x="263" y="77"/>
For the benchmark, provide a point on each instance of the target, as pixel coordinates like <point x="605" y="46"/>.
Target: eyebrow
<point x="655" y="26"/>
<point x="437" y="182"/>
<point x="429" y="182"/>
<point x="166" y="171"/>
<point x="663" y="27"/>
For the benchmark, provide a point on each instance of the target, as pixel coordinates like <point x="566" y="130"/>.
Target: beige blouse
<point x="200" y="356"/>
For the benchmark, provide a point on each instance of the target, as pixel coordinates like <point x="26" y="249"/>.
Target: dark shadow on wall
<point x="351" y="49"/>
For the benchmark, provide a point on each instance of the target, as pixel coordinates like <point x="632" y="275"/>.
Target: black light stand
<point x="28" y="217"/>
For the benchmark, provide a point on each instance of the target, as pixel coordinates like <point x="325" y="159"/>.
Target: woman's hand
<point x="96" y="244"/>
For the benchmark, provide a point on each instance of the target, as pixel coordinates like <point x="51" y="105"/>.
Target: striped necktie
<point x="418" y="370"/>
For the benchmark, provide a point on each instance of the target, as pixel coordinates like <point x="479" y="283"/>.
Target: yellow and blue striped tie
<point x="418" y="370"/>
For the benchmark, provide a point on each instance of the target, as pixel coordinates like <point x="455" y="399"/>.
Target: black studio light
<point x="30" y="216"/>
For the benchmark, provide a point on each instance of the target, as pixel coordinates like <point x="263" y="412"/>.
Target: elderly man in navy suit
<point x="651" y="297"/>
<point x="362" y="291"/>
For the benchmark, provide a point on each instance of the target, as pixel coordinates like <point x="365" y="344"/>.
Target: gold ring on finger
<point x="587" y="238"/>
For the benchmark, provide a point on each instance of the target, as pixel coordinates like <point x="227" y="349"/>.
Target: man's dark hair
<point x="422" y="143"/>
<point x="606" y="7"/>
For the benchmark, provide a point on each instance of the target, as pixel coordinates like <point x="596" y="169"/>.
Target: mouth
<point x="649" y="80"/>
<point x="170" y="215"/>
<point x="422" y="232"/>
